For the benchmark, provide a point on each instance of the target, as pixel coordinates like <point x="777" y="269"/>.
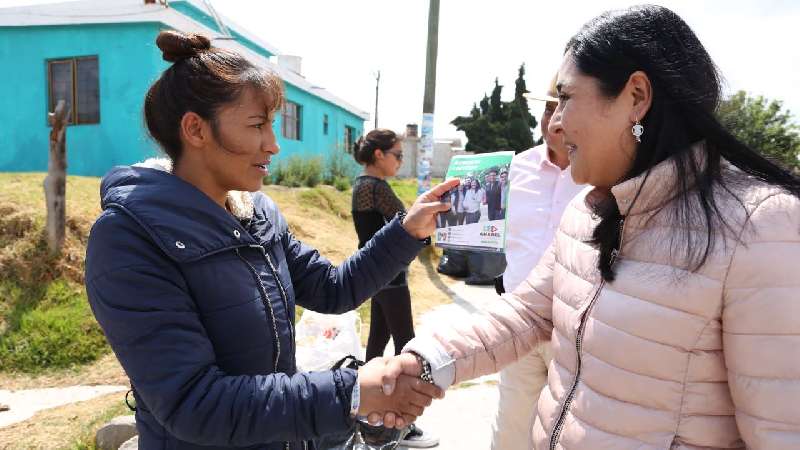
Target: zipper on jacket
<point x="283" y="293"/>
<point x="268" y="304"/>
<point x="265" y="299"/>
<point x="556" y="433"/>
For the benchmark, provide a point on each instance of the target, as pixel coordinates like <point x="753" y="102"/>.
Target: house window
<point x="291" y="120"/>
<point x="77" y="82"/>
<point x="325" y="124"/>
<point x="349" y="138"/>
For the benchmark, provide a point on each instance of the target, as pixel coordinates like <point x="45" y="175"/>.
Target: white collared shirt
<point x="473" y="199"/>
<point x="539" y="193"/>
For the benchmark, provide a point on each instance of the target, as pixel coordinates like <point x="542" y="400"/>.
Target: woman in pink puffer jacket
<point x="671" y="292"/>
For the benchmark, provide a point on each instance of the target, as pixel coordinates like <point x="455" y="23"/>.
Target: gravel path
<point x="24" y="404"/>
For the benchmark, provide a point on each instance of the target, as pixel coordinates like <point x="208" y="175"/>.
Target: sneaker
<point x="416" y="438"/>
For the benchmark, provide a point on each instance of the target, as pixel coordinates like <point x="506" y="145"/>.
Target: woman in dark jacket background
<point x="194" y="279"/>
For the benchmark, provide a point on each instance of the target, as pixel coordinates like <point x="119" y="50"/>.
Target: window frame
<point x="51" y="102"/>
<point x="295" y="119"/>
<point x="349" y="138"/>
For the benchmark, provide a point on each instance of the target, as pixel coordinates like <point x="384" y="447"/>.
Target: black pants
<point x="473" y="217"/>
<point x="497" y="214"/>
<point x="390" y="315"/>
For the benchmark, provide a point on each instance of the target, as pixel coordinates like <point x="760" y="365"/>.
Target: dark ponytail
<point x="686" y="91"/>
<point x="377" y="139"/>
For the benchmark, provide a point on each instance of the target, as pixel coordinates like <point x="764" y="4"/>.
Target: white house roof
<point x="132" y="11"/>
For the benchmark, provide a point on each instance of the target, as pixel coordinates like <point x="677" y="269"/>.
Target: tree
<point x="485" y="105"/>
<point x="520" y="119"/>
<point x="475" y="113"/>
<point x="499" y="125"/>
<point x="495" y="103"/>
<point x="763" y="126"/>
<point x="519" y="95"/>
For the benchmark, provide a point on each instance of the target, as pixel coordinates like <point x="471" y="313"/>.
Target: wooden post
<point x="55" y="184"/>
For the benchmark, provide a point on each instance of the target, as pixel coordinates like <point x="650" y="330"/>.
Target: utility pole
<point x="426" y="136"/>
<point x="377" y="85"/>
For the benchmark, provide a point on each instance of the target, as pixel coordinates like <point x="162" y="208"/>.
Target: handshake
<point x="392" y="391"/>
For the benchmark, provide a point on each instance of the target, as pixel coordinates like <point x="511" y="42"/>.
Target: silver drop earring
<point x="637" y="131"/>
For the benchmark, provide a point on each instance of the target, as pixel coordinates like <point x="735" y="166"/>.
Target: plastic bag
<point x="324" y="339"/>
<point x="484" y="267"/>
<point x="453" y="263"/>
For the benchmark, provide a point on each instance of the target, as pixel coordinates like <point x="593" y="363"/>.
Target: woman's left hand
<point x="420" y="221"/>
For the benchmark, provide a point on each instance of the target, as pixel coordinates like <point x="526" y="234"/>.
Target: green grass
<point x="45" y="320"/>
<point x="406" y="188"/>
<point x="325" y="199"/>
<point x="48" y="326"/>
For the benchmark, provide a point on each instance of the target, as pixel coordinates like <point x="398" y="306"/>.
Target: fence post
<point x="55" y="184"/>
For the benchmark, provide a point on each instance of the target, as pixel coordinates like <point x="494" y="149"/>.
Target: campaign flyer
<point x="477" y="216"/>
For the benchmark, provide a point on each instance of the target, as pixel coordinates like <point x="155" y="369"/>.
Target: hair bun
<point x="176" y="46"/>
<point x="359" y="144"/>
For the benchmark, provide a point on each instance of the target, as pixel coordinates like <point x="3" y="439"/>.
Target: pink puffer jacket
<point x="662" y="357"/>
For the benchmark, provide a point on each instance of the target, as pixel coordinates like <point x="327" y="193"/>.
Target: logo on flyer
<point x="490" y="231"/>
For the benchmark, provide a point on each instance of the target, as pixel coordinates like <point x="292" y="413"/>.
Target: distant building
<point x="443" y="152"/>
<point x="100" y="56"/>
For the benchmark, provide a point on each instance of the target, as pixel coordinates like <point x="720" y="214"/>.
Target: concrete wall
<point x="443" y="152"/>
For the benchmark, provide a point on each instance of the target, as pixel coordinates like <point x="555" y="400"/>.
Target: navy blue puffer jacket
<point x="198" y="305"/>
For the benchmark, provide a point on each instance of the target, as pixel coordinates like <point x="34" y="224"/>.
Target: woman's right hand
<point x="406" y="401"/>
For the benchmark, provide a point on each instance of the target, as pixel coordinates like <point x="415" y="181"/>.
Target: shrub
<point x="340" y="165"/>
<point x="342" y="184"/>
<point x="298" y="171"/>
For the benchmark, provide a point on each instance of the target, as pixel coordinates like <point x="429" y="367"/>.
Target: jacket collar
<point x="657" y="185"/>
<point x="185" y="223"/>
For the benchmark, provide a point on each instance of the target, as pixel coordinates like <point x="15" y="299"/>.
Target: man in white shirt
<point x="541" y="187"/>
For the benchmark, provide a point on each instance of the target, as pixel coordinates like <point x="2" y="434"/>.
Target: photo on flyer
<point x="477" y="216"/>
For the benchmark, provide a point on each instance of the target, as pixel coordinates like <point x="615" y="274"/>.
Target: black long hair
<point x="686" y="91"/>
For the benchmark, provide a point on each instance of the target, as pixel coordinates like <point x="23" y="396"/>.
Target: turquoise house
<point x="100" y="57"/>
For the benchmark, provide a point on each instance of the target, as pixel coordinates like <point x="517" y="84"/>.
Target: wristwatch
<point x="355" y="400"/>
<point x="427" y="374"/>
<point x="401" y="216"/>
